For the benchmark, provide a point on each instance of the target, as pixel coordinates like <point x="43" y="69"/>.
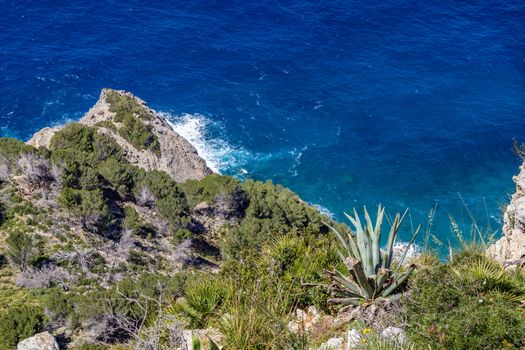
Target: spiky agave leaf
<point x="389" y="251"/>
<point x="370" y="276"/>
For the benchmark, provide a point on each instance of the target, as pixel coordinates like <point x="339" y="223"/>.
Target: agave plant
<point x="372" y="274"/>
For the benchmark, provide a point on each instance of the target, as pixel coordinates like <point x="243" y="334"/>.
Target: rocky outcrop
<point x="510" y="249"/>
<point x="40" y="341"/>
<point x="177" y="156"/>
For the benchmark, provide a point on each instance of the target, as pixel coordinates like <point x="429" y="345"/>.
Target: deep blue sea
<point x="348" y="103"/>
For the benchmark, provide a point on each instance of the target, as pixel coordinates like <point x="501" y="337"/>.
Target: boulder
<point x="395" y="335"/>
<point x="353" y="339"/>
<point x="40" y="341"/>
<point x="332" y="344"/>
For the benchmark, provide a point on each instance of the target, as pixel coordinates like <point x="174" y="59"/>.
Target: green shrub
<point x="106" y="124"/>
<point x="272" y="211"/>
<point x="60" y="306"/>
<point x="22" y="249"/>
<point x="120" y="175"/>
<point x="18" y="323"/>
<point x="170" y="201"/>
<point x="203" y="297"/>
<point x="124" y="106"/>
<point x="131" y="113"/>
<point x="140" y="135"/>
<point x="90" y="206"/>
<point x="75" y="136"/>
<point x="445" y="310"/>
<point x="255" y="317"/>
<point x="91" y="346"/>
<point x="209" y="188"/>
<point x="13" y="148"/>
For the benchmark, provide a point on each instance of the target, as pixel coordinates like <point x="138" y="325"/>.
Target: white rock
<point x="394" y="334"/>
<point x="353" y="339"/>
<point x="40" y="341"/>
<point x="332" y="344"/>
<point x="510" y="249"/>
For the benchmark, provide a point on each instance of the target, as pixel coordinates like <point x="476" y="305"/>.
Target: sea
<point x="409" y="104"/>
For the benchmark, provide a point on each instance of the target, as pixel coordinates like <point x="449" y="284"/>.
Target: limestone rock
<point x="353" y="339"/>
<point x="177" y="156"/>
<point x="332" y="344"/>
<point x="43" y="137"/>
<point x="395" y="335"/>
<point x="305" y="321"/>
<point x="40" y="341"/>
<point x="510" y="249"/>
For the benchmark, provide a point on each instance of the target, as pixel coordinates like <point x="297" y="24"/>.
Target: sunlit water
<point x="408" y="103"/>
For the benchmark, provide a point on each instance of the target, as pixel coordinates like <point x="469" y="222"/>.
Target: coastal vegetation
<point x="107" y="255"/>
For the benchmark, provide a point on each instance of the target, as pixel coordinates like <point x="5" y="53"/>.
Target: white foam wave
<point x="323" y="210"/>
<point x="413" y="251"/>
<point x="217" y="152"/>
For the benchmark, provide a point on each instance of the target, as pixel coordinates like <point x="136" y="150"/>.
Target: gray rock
<point x="510" y="249"/>
<point x="40" y="341"/>
<point x="332" y="344"/>
<point x="353" y="339"/>
<point x="178" y="157"/>
<point x="394" y="334"/>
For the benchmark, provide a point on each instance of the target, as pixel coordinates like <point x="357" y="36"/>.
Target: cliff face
<point x="173" y="154"/>
<point x="510" y="249"/>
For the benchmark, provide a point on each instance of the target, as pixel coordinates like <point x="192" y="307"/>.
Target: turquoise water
<point x="407" y="103"/>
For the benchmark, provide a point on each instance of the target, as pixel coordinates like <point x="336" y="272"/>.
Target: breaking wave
<point x="201" y="132"/>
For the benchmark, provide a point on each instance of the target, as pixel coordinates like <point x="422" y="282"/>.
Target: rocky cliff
<point x="510" y="249"/>
<point x="111" y="114"/>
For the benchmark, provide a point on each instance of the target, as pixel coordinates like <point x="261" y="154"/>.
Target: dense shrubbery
<point x="213" y="188"/>
<point x="12" y="148"/>
<point x="270" y="256"/>
<point x="96" y="177"/>
<point x="272" y="211"/>
<point x="22" y="249"/>
<point x="18" y="323"/>
<point x="455" y="305"/>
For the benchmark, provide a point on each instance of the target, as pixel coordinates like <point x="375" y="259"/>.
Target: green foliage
<point x="13" y="148"/>
<point x="108" y="124"/>
<point x="120" y="175"/>
<point x="91" y="346"/>
<point x="456" y="306"/>
<point x="371" y="276"/>
<point x="255" y="317"/>
<point x="129" y="297"/>
<point x="59" y="305"/>
<point x="22" y="249"/>
<point x="489" y="276"/>
<point x="18" y="323"/>
<point x="90" y="206"/>
<point x="202" y="299"/>
<point x="169" y="199"/>
<point x="131" y="113"/>
<point x="139" y="134"/>
<point x="74" y="136"/>
<point x="124" y="105"/>
<point x="209" y="188"/>
<point x="299" y="262"/>
<point x="272" y="211"/>
<point x="195" y="341"/>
